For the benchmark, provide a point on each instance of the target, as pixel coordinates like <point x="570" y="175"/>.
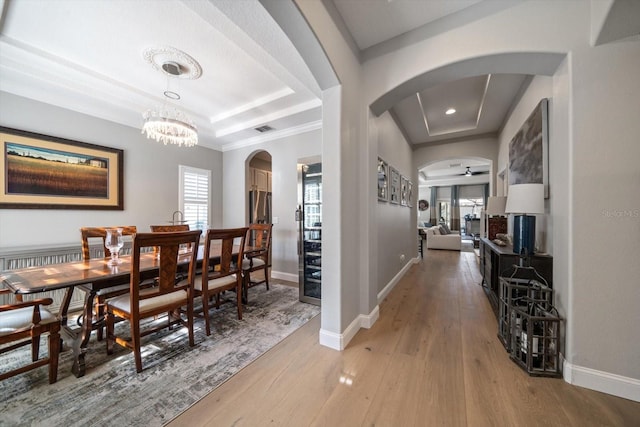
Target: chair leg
<point x="135" y="344"/>
<point x="190" y="321"/>
<point x="35" y="348"/>
<point x="205" y="312"/>
<point x="266" y="275"/>
<point x="239" y="299"/>
<point x="110" y="337"/>
<point x="100" y="317"/>
<point x="54" y="351"/>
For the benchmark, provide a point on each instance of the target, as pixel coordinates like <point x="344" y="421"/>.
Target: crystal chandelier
<point x="169" y="126"/>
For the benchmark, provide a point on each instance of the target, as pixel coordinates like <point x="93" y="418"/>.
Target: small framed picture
<point x="403" y="191"/>
<point x="383" y="180"/>
<point x="394" y="189"/>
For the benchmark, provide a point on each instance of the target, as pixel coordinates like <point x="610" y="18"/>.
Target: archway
<point x="259" y="198"/>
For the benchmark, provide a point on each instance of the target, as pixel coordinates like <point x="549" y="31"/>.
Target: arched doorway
<point x="259" y="199"/>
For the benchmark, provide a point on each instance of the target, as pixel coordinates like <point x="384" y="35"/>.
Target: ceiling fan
<point x="468" y="172"/>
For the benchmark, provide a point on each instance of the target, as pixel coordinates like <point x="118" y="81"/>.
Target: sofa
<point x="440" y="237"/>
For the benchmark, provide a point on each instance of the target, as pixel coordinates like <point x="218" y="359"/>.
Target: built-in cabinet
<point x="260" y="179"/>
<point x="496" y="261"/>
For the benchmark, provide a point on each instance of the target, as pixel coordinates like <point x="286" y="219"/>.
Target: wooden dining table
<point x="91" y="276"/>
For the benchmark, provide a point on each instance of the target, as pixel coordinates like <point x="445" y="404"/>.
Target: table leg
<point x="80" y="338"/>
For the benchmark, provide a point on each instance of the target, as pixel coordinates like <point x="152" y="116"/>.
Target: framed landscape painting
<point x="45" y="172"/>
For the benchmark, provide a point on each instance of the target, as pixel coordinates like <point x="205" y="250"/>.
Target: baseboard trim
<point x="284" y="276"/>
<point x="394" y="281"/>
<point x="340" y="341"/>
<point x="605" y="382"/>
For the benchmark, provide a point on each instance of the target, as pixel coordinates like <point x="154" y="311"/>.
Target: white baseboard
<point x="284" y="276"/>
<point x="340" y="341"/>
<point x="605" y="382"/>
<point x="393" y="282"/>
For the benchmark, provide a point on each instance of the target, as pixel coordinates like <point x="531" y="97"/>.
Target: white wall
<point x="150" y="176"/>
<point x="397" y="232"/>
<point x="285" y="153"/>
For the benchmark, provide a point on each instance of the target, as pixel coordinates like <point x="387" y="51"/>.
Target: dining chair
<point x="168" y="296"/>
<point x="89" y="234"/>
<point x="259" y="258"/>
<point x="21" y="324"/>
<point x="167" y="228"/>
<point x="220" y="271"/>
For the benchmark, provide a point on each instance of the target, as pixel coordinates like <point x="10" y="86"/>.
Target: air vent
<point x="455" y="165"/>
<point x="265" y="128"/>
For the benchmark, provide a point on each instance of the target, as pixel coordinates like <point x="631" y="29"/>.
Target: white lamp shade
<point x="496" y="205"/>
<point x="525" y="199"/>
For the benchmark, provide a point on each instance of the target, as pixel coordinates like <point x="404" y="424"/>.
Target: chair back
<point x="221" y="243"/>
<point x="101" y="232"/>
<point x="170" y="261"/>
<point x="167" y="228"/>
<point x="260" y="237"/>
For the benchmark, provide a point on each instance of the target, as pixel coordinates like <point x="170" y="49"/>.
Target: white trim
<point x="285" y="276"/>
<point x="367" y="320"/>
<point x="605" y="382"/>
<point x="340" y="341"/>
<point x="269" y="136"/>
<point x="394" y="281"/>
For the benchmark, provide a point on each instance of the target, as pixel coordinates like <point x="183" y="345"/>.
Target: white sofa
<point x="437" y="240"/>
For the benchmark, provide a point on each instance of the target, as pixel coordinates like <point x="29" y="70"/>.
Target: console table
<point x="496" y="261"/>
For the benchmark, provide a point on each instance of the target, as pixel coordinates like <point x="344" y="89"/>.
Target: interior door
<point x="309" y="217"/>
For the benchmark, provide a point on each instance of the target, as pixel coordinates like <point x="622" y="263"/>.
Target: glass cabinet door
<point x="309" y="216"/>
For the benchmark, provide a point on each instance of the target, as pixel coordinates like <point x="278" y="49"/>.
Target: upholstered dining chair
<point x="258" y="259"/>
<point x="168" y="296"/>
<point x="220" y="271"/>
<point x="22" y="323"/>
<point x="89" y="234"/>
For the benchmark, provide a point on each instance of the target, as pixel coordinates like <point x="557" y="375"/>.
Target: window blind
<point x="194" y="196"/>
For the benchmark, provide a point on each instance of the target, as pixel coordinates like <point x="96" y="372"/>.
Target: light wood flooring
<point x="431" y="359"/>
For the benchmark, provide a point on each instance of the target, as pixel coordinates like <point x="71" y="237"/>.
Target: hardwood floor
<point x="432" y="358"/>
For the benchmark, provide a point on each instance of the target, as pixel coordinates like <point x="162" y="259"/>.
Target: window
<point x="194" y="196"/>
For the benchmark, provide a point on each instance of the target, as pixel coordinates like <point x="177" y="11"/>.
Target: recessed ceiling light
<point x="450" y="111"/>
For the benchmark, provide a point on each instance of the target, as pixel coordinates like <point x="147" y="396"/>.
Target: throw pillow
<point x="436" y="230"/>
<point x="445" y="228"/>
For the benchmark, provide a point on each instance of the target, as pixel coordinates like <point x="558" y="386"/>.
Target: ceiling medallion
<point x="158" y="56"/>
<point x="167" y="124"/>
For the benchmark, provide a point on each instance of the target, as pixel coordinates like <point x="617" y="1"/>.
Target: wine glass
<point x="114" y="243"/>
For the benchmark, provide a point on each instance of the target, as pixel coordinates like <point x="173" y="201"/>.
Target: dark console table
<point x="496" y="261"/>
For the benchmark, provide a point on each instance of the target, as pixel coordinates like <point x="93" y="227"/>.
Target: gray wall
<point x="397" y="233"/>
<point x="150" y="176"/>
<point x="285" y="153"/>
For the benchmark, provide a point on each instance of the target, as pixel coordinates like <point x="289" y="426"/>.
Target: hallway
<point x="432" y="358"/>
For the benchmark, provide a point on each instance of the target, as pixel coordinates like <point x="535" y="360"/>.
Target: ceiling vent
<point x="455" y="165"/>
<point x="265" y="128"/>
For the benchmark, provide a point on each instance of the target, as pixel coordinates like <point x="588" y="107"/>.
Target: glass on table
<point x="113" y="242"/>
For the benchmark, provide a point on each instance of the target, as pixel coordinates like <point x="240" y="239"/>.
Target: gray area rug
<point x="175" y="376"/>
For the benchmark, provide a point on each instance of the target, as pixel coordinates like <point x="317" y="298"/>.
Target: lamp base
<point x="524" y="234"/>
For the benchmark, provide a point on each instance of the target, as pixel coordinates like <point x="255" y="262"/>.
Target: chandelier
<point x="169" y="125"/>
<point x="166" y="123"/>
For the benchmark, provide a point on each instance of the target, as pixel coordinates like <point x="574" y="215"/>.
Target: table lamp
<point x="496" y="206"/>
<point x="522" y="200"/>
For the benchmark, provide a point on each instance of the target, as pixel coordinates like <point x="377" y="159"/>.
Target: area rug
<point x="174" y="377"/>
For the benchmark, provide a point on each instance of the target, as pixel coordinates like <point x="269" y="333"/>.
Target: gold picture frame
<point x="45" y="172"/>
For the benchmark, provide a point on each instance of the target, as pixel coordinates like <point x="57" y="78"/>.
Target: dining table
<point x="91" y="276"/>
